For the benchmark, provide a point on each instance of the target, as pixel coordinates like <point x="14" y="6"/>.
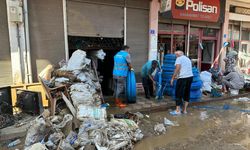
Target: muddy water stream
<point x="223" y="129"/>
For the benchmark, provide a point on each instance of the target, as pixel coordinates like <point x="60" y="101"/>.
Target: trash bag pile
<point x="85" y="124"/>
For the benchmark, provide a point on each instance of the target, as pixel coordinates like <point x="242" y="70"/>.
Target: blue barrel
<point x="131" y="87"/>
<point x="196" y="78"/>
<point x="169" y="57"/>
<point x="168" y="67"/>
<point x="196" y="85"/>
<point x="195" y="94"/>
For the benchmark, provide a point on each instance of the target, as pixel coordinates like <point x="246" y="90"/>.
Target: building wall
<point x="233" y="29"/>
<point x="5" y="59"/>
<point x="95" y="19"/>
<point x="46" y="33"/>
<point x="137" y="32"/>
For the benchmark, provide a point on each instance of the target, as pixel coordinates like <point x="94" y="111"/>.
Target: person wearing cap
<point x="184" y="75"/>
<point x="122" y="64"/>
<point x="147" y="77"/>
<point x="230" y="62"/>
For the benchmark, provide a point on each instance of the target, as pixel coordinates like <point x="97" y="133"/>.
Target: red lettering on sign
<point x="199" y="10"/>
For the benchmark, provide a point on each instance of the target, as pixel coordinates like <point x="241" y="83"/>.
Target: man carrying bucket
<point x="122" y="63"/>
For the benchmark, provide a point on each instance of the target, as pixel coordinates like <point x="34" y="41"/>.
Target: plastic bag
<point x="84" y="111"/>
<point x="37" y="131"/>
<point x="159" y="128"/>
<point x="78" y="60"/>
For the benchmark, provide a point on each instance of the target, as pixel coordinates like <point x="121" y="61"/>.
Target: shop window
<point x="165" y="27"/>
<point x="245" y="35"/>
<point x="179" y="28"/>
<point x="193" y="49"/>
<point x="235" y="45"/>
<point x="165" y="43"/>
<point x="179" y="42"/>
<point x="244" y="48"/>
<point x="230" y="31"/>
<point x="236" y="33"/>
<point x="209" y="32"/>
<point x="194" y="31"/>
<point x="208" y="51"/>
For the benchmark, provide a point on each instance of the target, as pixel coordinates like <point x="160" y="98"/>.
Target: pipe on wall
<point x="125" y="22"/>
<point x="65" y="30"/>
<point x="27" y="37"/>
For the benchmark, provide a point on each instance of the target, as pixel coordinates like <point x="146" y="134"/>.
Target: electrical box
<point x="15" y="11"/>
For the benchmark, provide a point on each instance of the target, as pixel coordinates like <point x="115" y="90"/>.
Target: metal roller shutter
<point x="137" y="36"/>
<point x="95" y="19"/>
<point x="46" y="33"/>
<point x="5" y="58"/>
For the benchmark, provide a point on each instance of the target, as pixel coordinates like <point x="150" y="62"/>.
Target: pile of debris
<point x="83" y="123"/>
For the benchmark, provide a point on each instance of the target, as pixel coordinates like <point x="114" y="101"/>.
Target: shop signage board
<point x="198" y="10"/>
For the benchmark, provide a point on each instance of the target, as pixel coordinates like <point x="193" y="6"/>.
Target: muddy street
<point x="223" y="126"/>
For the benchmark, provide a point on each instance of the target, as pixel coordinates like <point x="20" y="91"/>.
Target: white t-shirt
<point x="186" y="66"/>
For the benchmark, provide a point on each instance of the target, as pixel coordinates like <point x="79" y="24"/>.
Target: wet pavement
<point x="214" y="126"/>
<point x="222" y="125"/>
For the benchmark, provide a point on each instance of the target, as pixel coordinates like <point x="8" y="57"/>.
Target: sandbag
<point x="206" y="78"/>
<point x="78" y="60"/>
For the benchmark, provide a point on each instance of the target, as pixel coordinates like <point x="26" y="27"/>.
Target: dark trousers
<point x="182" y="91"/>
<point x="148" y="87"/>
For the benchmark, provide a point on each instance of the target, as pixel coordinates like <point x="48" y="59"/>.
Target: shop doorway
<point x="207" y="54"/>
<point x="104" y="67"/>
<point x="244" y="58"/>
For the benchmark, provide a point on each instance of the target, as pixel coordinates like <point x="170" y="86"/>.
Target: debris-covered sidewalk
<point x="81" y="121"/>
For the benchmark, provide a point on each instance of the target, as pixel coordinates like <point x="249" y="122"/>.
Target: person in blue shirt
<point x="122" y="64"/>
<point x="147" y="77"/>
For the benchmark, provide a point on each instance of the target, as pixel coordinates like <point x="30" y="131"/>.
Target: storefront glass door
<point x="193" y="48"/>
<point x="244" y="58"/>
<point x="207" y="54"/>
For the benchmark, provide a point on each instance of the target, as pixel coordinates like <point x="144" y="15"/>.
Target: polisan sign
<point x="199" y="10"/>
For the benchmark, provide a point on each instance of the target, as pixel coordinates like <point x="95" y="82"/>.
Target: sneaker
<point x="175" y="113"/>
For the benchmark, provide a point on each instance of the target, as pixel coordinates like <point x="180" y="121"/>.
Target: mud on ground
<point x="222" y="130"/>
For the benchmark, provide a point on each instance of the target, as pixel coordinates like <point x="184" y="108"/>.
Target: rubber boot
<point x="119" y="103"/>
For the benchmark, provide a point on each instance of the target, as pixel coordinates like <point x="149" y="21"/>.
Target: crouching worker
<point x="122" y="64"/>
<point x="216" y="73"/>
<point x="147" y="77"/>
<point x="234" y="80"/>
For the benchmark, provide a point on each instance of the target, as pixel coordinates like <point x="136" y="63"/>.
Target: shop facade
<point x="237" y="32"/>
<point x="193" y="26"/>
<point x="54" y="29"/>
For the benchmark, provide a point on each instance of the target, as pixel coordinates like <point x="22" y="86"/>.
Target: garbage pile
<point x="83" y="122"/>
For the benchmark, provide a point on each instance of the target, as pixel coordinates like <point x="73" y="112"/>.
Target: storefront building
<point x="193" y="26"/>
<point x="237" y="32"/>
<point x="51" y="31"/>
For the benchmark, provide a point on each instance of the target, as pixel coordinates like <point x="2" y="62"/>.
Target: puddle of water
<point x="190" y="127"/>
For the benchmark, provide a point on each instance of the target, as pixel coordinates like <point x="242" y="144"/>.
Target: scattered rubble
<point x="6" y="120"/>
<point x="85" y="123"/>
<point x="159" y="129"/>
<point x="170" y="123"/>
